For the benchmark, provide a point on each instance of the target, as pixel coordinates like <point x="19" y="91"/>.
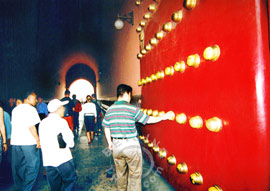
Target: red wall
<point x="234" y="88"/>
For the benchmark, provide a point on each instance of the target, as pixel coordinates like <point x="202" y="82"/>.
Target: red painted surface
<point x="234" y="88"/>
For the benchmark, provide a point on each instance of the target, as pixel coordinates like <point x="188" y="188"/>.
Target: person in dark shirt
<point x="69" y="108"/>
<point x="99" y="115"/>
<point x="77" y="109"/>
<point x="10" y="106"/>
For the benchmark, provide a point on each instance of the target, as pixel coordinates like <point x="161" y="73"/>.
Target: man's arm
<point x="167" y="116"/>
<point x="33" y="131"/>
<point x="107" y="132"/>
<point x="3" y="129"/>
<point x="67" y="135"/>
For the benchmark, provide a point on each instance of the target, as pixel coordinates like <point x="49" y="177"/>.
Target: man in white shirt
<point x="57" y="161"/>
<point x="25" y="143"/>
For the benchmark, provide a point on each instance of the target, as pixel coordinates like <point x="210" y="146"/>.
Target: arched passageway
<point x="77" y="66"/>
<point x="81" y="88"/>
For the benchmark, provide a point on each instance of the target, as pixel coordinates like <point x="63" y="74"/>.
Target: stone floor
<point x="92" y="162"/>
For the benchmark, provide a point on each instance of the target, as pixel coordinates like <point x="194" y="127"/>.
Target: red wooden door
<point x="234" y="88"/>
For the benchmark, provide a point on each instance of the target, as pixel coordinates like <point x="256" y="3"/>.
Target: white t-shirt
<point x="89" y="109"/>
<point x="49" y="128"/>
<point x="24" y="116"/>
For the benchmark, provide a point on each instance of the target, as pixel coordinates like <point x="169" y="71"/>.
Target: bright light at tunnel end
<point x="81" y="88"/>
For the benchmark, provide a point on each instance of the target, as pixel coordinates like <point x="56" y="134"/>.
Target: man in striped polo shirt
<point x="121" y="135"/>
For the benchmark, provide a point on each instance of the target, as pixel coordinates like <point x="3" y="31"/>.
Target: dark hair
<point x="67" y="92"/>
<point x="88" y="97"/>
<point x="123" y="88"/>
<point x="29" y="93"/>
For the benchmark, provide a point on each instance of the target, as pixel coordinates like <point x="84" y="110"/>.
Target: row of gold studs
<point x="138" y="2"/>
<point x="167" y="27"/>
<point x="211" y="53"/>
<point x="213" y="124"/>
<point x="176" y="17"/>
<point x="195" y="178"/>
<point x="152" y="8"/>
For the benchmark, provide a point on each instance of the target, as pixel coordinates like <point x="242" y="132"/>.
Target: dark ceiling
<point x="36" y="34"/>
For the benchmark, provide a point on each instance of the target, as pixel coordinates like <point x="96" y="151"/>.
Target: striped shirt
<point x="121" y="118"/>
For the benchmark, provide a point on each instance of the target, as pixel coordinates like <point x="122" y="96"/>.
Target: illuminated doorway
<point x="81" y="88"/>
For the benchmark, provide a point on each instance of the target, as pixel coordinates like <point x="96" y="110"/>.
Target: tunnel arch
<point x="71" y="66"/>
<point x="80" y="71"/>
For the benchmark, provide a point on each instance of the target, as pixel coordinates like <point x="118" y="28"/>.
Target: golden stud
<point x="214" y="124"/>
<point x="140" y="83"/>
<point x="153" y="77"/>
<point x="215" y="188"/>
<point x="143" y="81"/>
<point x="148" y="47"/>
<point x="147" y="16"/>
<point x="162" y="153"/>
<point x="153" y="41"/>
<point x="182" y="168"/>
<point x="148" y="80"/>
<point x="142" y="23"/>
<point x="146" y="141"/>
<point x="160" y="74"/>
<point x="169" y="71"/>
<point x="193" y="60"/>
<point x="167" y="27"/>
<point x="196" y="178"/>
<point x="150" y="112"/>
<point x="159" y="35"/>
<point x="156" y="149"/>
<point x="190" y="4"/>
<point x="196" y="122"/>
<point x="177" y="16"/>
<point x="143" y="52"/>
<point x="181" y="118"/>
<point x="150" y="145"/>
<point x="138" y="3"/>
<point x="142" y="138"/>
<point x="155" y="113"/>
<point x="171" y="160"/>
<point x="180" y="66"/>
<point x="152" y="7"/>
<point x="139" y="56"/>
<point x="139" y="29"/>
<point x="211" y="53"/>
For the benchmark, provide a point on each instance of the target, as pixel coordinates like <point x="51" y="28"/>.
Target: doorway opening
<point x="81" y="88"/>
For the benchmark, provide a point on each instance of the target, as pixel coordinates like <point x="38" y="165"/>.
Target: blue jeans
<point x="62" y="177"/>
<point x="25" y="162"/>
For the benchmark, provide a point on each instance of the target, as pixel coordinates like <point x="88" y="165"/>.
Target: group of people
<point x="36" y="124"/>
<point x="26" y="142"/>
<point x="55" y="138"/>
<point x="89" y="111"/>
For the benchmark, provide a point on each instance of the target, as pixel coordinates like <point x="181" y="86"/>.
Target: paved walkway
<point x="92" y="162"/>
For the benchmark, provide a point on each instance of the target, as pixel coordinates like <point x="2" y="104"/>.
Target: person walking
<point x="99" y="115"/>
<point x="121" y="135"/>
<point x="77" y="109"/>
<point x="42" y="108"/>
<point x="90" y="118"/>
<point x="25" y="159"/>
<point x="57" y="159"/>
<point x="69" y="108"/>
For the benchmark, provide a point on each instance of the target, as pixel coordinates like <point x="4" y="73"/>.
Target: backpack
<point x="78" y="106"/>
